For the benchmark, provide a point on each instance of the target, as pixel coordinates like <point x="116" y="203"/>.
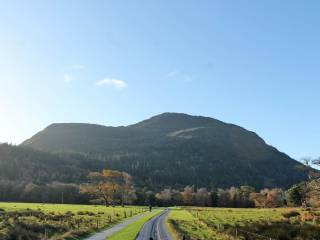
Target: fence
<point x="237" y="233"/>
<point x="250" y="235"/>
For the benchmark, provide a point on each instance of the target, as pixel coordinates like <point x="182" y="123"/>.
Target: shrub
<point x="291" y="214"/>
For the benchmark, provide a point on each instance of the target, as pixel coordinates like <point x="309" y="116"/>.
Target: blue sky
<point x="251" y="63"/>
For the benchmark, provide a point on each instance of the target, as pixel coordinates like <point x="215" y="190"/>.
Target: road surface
<point x="108" y="232"/>
<point x="155" y="228"/>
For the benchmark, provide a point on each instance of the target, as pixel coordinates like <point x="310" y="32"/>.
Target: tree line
<point x="28" y="175"/>
<point x="114" y="187"/>
<point x="110" y="187"/>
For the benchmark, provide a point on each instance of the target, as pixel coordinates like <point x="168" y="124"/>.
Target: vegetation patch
<point x="226" y="223"/>
<point x="191" y="228"/>
<point x="58" y="221"/>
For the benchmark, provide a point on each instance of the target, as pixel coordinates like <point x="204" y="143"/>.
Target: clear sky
<point x="251" y="63"/>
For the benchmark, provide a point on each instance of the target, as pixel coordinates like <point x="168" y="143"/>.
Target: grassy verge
<point x="172" y="232"/>
<point x="131" y="231"/>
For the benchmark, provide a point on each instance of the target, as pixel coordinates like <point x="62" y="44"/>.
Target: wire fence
<point x="250" y="235"/>
<point x="238" y="233"/>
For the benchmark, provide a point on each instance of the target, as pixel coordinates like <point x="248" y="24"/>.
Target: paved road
<point x="108" y="232"/>
<point x="155" y="228"/>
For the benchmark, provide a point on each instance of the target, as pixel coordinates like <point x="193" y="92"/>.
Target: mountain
<point x="173" y="149"/>
<point x="29" y="175"/>
<point x="24" y="164"/>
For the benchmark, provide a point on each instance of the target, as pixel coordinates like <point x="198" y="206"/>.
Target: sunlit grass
<point x="221" y="223"/>
<point x="9" y="206"/>
<point x="186" y="224"/>
<point x="61" y="221"/>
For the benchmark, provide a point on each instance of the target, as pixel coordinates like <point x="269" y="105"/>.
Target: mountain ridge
<point x="162" y="149"/>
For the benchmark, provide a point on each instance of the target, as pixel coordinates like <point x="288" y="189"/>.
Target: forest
<point x="28" y="175"/>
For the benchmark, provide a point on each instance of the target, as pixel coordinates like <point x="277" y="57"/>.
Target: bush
<point x="291" y="214"/>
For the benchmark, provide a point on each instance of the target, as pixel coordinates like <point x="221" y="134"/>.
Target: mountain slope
<point x="177" y="149"/>
<point x="23" y="164"/>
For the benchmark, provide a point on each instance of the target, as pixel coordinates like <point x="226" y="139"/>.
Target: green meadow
<point x="236" y="223"/>
<point x="35" y="221"/>
<point x="58" y="221"/>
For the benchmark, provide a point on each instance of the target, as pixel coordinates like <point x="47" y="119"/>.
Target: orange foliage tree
<point x="109" y="186"/>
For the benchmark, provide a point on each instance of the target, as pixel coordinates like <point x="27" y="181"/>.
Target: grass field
<point x="61" y="222"/>
<point x="224" y="223"/>
<point x="131" y="231"/>
<point x="184" y="223"/>
<point x="58" y="221"/>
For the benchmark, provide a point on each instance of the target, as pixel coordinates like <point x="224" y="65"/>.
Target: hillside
<point x="23" y="164"/>
<point x="174" y="149"/>
<point x="30" y="175"/>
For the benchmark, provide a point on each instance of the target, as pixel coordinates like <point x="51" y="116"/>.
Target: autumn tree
<point x="268" y="198"/>
<point x="164" y="197"/>
<point x="259" y="199"/>
<point x="188" y="195"/>
<point x="275" y="198"/>
<point x="233" y="195"/>
<point x="244" y="196"/>
<point x="109" y="186"/>
<point x="176" y="197"/>
<point x="202" y="197"/>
